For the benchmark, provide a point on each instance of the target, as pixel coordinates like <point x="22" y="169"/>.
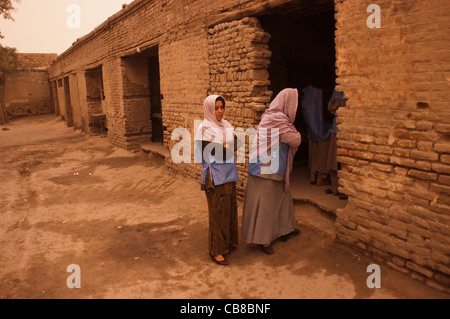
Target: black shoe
<point x="328" y="191"/>
<point x="267" y="250"/>
<point x="342" y="196"/>
<point x="223" y="262"/>
<point x="292" y="234"/>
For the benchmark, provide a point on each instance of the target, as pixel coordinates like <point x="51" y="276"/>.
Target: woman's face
<point x="220" y="109"/>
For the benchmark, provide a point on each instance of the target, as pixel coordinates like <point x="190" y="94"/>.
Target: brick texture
<point x="396" y="84"/>
<point x="27" y="91"/>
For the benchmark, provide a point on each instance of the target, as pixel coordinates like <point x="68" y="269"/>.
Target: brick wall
<point x="36" y="61"/>
<point x="75" y="89"/>
<point x="61" y="98"/>
<point x="239" y="57"/>
<point x="394" y="134"/>
<point x="178" y="28"/>
<point x="54" y="93"/>
<point x="112" y="74"/>
<point x="184" y="85"/>
<point x="27" y="91"/>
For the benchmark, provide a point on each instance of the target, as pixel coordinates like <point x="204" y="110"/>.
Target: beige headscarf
<point x="280" y="115"/>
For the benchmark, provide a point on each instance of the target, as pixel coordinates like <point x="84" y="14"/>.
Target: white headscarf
<point x="211" y="129"/>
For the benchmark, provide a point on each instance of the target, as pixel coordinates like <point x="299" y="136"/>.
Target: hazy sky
<point x="46" y="26"/>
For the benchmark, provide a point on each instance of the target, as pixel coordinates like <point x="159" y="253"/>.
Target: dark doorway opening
<point x="303" y="51"/>
<point x="54" y="86"/>
<point x="95" y="97"/>
<point x="143" y="90"/>
<point x="155" y="98"/>
<point x="69" y="115"/>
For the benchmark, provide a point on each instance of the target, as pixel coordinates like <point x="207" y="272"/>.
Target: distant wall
<point x="27" y="91"/>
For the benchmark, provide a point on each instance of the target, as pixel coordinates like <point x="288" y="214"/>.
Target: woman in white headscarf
<point x="268" y="205"/>
<point x="214" y="147"/>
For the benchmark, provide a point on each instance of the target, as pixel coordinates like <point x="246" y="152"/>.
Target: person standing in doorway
<point x="337" y="100"/>
<point x="318" y="133"/>
<point x="268" y="206"/>
<point x="215" y="140"/>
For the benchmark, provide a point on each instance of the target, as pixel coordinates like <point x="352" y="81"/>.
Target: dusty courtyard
<point x="138" y="230"/>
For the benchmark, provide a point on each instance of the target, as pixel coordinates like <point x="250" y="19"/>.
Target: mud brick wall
<point x="36" y="61"/>
<point x="394" y="135"/>
<point x="27" y="93"/>
<point x="83" y="100"/>
<point x="54" y="91"/>
<point x="76" y="108"/>
<point x="184" y="85"/>
<point x="112" y="74"/>
<point x="61" y="98"/>
<point x="239" y="56"/>
<point x="178" y="29"/>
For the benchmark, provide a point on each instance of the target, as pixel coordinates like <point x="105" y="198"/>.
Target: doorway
<point x="68" y="103"/>
<point x="303" y="53"/>
<point x="155" y="98"/>
<point x="95" y="98"/>
<point x="54" y="87"/>
<point x="142" y="98"/>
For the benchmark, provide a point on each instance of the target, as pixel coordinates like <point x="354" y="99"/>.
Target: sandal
<point x="292" y="234"/>
<point x="223" y="262"/>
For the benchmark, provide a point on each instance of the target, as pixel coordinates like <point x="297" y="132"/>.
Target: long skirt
<point x="268" y="211"/>
<point x="223" y="220"/>
<point x="332" y="164"/>
<point x="318" y="158"/>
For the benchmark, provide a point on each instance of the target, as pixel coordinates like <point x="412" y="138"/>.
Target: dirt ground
<point x="138" y="230"/>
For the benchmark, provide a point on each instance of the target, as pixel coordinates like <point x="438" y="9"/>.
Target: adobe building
<point x="27" y="91"/>
<point x="147" y="70"/>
